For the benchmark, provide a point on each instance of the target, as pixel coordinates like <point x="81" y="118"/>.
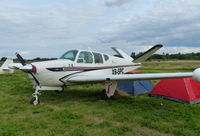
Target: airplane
<point x="5" y="67"/>
<point x="82" y="66"/>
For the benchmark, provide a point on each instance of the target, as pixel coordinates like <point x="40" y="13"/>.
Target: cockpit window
<point x="106" y="57"/>
<point x="71" y="55"/>
<point x="85" y="57"/>
<point x="98" y="57"/>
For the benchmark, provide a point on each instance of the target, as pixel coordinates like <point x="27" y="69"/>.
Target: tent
<point x="135" y="87"/>
<point x="184" y="90"/>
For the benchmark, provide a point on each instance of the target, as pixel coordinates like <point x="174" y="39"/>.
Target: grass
<point x="77" y="111"/>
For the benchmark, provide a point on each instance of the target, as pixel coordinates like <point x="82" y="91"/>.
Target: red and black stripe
<point x="61" y="69"/>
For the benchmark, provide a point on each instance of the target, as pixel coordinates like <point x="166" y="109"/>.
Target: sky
<point x="48" y="28"/>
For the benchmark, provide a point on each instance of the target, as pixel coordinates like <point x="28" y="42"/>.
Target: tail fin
<point x="122" y="54"/>
<point x="5" y="66"/>
<point x="148" y="53"/>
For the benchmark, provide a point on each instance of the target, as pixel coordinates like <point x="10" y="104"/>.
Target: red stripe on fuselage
<point x="96" y="68"/>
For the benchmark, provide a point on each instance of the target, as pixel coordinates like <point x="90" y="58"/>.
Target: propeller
<point x="25" y="67"/>
<point x="29" y="68"/>
<point x="21" y="60"/>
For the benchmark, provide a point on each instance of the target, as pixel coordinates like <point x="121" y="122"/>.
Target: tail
<point x="148" y="53"/>
<point x="122" y="54"/>
<point x="5" y="67"/>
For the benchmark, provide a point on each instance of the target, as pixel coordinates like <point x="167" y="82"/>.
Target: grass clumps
<point x="120" y="130"/>
<point x="77" y="111"/>
<point x="66" y="116"/>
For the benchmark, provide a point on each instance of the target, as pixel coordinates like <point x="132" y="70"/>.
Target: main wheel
<point x="58" y="91"/>
<point x="35" y="100"/>
<point x="104" y="95"/>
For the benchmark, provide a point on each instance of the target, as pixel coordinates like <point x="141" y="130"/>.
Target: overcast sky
<point x="48" y="28"/>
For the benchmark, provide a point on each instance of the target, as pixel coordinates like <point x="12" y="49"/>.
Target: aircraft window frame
<point x="88" y="59"/>
<point x="73" y="58"/>
<point x="106" y="57"/>
<point x="98" y="58"/>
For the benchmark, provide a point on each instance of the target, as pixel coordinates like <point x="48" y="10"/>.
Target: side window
<point x="105" y="57"/>
<point x="98" y="57"/>
<point x="85" y="57"/>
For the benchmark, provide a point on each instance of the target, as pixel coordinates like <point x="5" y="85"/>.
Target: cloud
<point x="180" y="50"/>
<point x="51" y="27"/>
<point x="175" y="24"/>
<point x="110" y="3"/>
<point x="48" y="29"/>
<point x="24" y="52"/>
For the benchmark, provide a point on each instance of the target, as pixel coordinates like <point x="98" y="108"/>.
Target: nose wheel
<point x="35" y="100"/>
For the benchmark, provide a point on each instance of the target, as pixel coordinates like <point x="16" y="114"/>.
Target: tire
<point x="58" y="91"/>
<point x="34" y="101"/>
<point x="104" y="95"/>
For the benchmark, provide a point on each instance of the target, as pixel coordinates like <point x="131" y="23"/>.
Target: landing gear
<point x="108" y="92"/>
<point x="35" y="100"/>
<point x="104" y="95"/>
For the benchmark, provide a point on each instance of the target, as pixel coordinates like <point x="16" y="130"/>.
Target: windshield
<point x="71" y="55"/>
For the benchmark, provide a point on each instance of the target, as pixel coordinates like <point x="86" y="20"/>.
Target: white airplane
<point x="5" y="67"/>
<point x="80" y="66"/>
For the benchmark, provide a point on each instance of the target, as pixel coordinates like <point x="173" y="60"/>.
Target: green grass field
<point x="77" y="111"/>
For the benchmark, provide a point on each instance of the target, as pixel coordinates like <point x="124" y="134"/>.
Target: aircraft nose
<point x="34" y="69"/>
<point x="29" y="68"/>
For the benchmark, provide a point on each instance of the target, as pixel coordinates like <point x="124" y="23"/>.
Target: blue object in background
<point x="135" y="87"/>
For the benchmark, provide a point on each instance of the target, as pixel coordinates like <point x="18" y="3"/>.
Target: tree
<point x="3" y="59"/>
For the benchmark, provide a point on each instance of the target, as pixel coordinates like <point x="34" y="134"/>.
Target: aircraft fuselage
<point x="54" y="74"/>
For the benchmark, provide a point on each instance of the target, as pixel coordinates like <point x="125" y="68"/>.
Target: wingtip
<point x="158" y="45"/>
<point x="113" y="47"/>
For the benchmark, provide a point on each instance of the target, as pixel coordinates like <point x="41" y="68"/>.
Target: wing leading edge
<point x="127" y="77"/>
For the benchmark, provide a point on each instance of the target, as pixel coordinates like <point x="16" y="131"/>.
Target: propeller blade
<point x="21" y="60"/>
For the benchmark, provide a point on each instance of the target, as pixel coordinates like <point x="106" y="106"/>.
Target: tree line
<point x="166" y="56"/>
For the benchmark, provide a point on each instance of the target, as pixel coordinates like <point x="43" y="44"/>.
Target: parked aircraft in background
<point x="80" y="66"/>
<point x="5" y="67"/>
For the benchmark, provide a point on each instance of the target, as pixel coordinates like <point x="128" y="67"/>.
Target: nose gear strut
<point x="35" y="100"/>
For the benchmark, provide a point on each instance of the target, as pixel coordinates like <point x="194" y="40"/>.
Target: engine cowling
<point x="196" y="74"/>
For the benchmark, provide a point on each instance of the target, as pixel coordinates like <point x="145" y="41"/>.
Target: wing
<point x="126" y="77"/>
<point x="5" y="67"/>
<point x="6" y="64"/>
